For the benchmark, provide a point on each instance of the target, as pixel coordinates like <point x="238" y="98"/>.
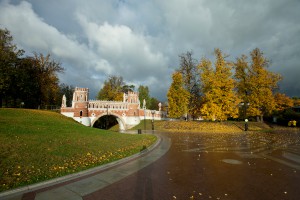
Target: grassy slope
<point x="39" y="145"/>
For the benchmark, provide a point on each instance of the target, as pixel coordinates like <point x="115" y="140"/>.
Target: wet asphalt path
<point x="249" y="165"/>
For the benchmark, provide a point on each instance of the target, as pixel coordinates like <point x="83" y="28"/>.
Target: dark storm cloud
<point x="141" y="40"/>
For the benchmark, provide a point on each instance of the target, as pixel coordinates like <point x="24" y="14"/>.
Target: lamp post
<point x="152" y="112"/>
<point x="245" y="105"/>
<point x="144" y="119"/>
<point x="246" y="124"/>
<point x="106" y="123"/>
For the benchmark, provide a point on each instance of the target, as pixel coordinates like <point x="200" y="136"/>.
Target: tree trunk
<point x="6" y="101"/>
<point x="257" y="118"/>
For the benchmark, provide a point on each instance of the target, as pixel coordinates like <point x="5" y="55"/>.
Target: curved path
<point x="246" y="165"/>
<point x="76" y="186"/>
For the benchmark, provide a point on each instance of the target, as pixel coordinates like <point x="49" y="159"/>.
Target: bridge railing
<point x="149" y="114"/>
<point x="111" y="105"/>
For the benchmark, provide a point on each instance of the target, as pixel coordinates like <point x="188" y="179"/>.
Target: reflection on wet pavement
<point x="252" y="165"/>
<point x="232" y="161"/>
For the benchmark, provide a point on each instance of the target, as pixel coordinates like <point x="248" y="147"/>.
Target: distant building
<point x="128" y="112"/>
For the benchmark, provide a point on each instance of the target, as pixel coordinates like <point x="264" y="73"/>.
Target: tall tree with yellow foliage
<point x="112" y="89"/>
<point x="242" y="83"/>
<point x="219" y="98"/>
<point x="255" y="84"/>
<point x="178" y="97"/>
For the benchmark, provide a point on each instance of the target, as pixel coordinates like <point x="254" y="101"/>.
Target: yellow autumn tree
<point x="256" y="84"/>
<point x="296" y="101"/>
<point x="241" y="75"/>
<point x="219" y="99"/>
<point x="242" y="83"/>
<point x="178" y="97"/>
<point x="282" y="102"/>
<point x="112" y="89"/>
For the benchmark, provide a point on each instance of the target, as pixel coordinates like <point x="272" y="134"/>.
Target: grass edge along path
<point x="40" y="145"/>
<point x="201" y="126"/>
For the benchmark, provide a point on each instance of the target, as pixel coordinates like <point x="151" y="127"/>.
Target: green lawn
<point x="39" y="145"/>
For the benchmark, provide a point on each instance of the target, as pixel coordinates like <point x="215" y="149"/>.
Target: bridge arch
<point x="120" y="120"/>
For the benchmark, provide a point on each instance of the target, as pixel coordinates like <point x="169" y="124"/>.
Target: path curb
<point x="82" y="174"/>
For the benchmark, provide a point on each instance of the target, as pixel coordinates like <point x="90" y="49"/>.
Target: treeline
<point x="114" y="87"/>
<point x="32" y="81"/>
<point x="28" y="81"/>
<point x="224" y="89"/>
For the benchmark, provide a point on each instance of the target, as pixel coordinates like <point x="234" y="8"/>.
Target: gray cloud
<point x="141" y="40"/>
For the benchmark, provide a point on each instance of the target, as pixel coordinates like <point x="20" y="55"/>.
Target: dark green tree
<point x="153" y="104"/>
<point x="128" y="88"/>
<point x="190" y="75"/>
<point x="46" y="70"/>
<point x="144" y="94"/>
<point x="27" y="87"/>
<point x="8" y="58"/>
<point x="34" y="82"/>
<point x="66" y="90"/>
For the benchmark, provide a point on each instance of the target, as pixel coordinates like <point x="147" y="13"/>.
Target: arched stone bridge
<point x="128" y="112"/>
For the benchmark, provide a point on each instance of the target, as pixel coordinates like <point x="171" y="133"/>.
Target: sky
<point x="142" y="40"/>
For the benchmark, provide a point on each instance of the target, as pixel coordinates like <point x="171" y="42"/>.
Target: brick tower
<point x="80" y="105"/>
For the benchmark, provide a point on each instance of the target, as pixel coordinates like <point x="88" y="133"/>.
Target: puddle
<point x="232" y="161"/>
